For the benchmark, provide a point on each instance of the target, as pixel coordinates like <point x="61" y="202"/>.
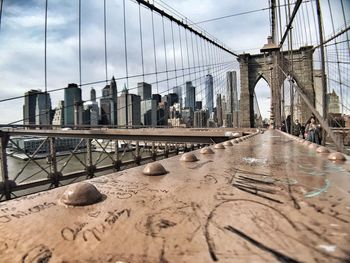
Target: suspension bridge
<point x="176" y="161"/>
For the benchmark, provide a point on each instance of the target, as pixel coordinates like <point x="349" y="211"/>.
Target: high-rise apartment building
<point x="129" y="112"/>
<point x="144" y="90"/>
<point x="37" y="108"/>
<point x="209" y="96"/>
<point x="72" y="97"/>
<point x="232" y="97"/>
<point x="149" y="112"/>
<point x="190" y="99"/>
<point x="108" y="104"/>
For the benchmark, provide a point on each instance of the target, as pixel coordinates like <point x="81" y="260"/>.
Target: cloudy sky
<point x="22" y="46"/>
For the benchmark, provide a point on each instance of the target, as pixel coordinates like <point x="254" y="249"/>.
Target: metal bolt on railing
<point x="206" y="150"/>
<point x="219" y="146"/>
<point x="336" y="156"/>
<point x="80" y="194"/>
<point x="154" y="168"/>
<point x="188" y="157"/>
<point x="322" y="149"/>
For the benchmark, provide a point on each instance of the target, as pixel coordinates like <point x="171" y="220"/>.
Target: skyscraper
<point x="129" y="112"/>
<point x="144" y="90"/>
<point x="178" y="91"/>
<point x="219" y="110"/>
<point x="200" y="119"/>
<point x="72" y="95"/>
<point x="93" y="95"/>
<point x="190" y="99"/>
<point x="209" y="97"/>
<point x="108" y="104"/>
<point x="198" y="105"/>
<point x="149" y="112"/>
<point x="43" y="109"/>
<point x="91" y="110"/>
<point x="170" y="99"/>
<point x="232" y="96"/>
<point x="36" y="108"/>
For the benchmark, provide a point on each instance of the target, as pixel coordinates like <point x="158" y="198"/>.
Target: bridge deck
<point x="265" y="199"/>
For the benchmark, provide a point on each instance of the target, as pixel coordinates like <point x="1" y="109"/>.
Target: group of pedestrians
<point x="311" y="131"/>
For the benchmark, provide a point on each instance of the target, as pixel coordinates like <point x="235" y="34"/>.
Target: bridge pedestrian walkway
<point x="268" y="198"/>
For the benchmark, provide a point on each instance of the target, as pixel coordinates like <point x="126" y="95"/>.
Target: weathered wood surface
<point x="266" y="199"/>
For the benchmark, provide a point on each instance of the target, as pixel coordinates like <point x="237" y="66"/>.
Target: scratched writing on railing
<point x="96" y="232"/>
<point x="125" y="190"/>
<point x="5" y="218"/>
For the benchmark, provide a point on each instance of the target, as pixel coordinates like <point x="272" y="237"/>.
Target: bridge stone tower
<point x="268" y="65"/>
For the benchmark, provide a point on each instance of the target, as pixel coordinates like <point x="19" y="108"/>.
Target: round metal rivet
<point x="236" y="135"/>
<point x="336" y="156"/>
<point x="322" y="149"/>
<point x="228" y="143"/>
<point x="188" y="157"/>
<point x="219" y="146"/>
<point x="154" y="168"/>
<point x="313" y="146"/>
<point x="80" y="194"/>
<point x="206" y="150"/>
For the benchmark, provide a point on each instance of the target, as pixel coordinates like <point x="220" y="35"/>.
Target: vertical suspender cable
<point x="315" y="23"/>
<point x="188" y="56"/>
<point x="46" y="94"/>
<point x="202" y="54"/>
<point x="304" y="25"/>
<point x="308" y="22"/>
<point x="126" y="67"/>
<point x="182" y="59"/>
<point x="348" y="43"/>
<point x="343" y="11"/>
<point x="155" y="52"/>
<point x="282" y="57"/>
<point x="141" y="44"/>
<point x="1" y="6"/>
<point x="199" y="65"/>
<point x="125" y="47"/>
<point x="105" y="36"/>
<point x="202" y="62"/>
<point x="194" y="62"/>
<point x="165" y="55"/>
<point x="172" y="37"/>
<point x="323" y="75"/>
<point x="338" y="66"/>
<point x="80" y="43"/>
<point x="206" y="54"/>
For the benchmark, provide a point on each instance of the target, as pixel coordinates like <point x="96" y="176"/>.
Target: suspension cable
<point x="46" y="94"/>
<point x="141" y="46"/>
<point x="304" y="25"/>
<point x="79" y="42"/>
<point x="1" y="7"/>
<point x="154" y="51"/>
<point x="165" y="54"/>
<point x="344" y="18"/>
<point x="125" y="46"/>
<point x="337" y="54"/>
<point x="182" y="59"/>
<point x="105" y="36"/>
<point x="172" y="37"/>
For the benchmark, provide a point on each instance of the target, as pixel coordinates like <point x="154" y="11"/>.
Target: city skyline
<point x="141" y="108"/>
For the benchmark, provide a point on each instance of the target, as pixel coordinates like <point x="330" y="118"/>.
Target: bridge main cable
<point x="186" y="26"/>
